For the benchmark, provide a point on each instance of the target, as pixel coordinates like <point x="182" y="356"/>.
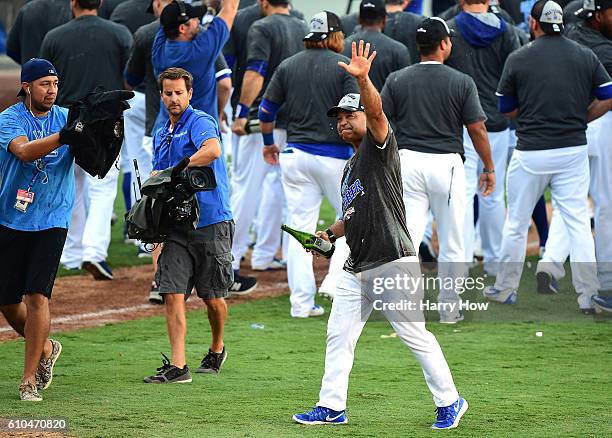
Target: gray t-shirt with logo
<point x="552" y="80"/>
<point x="428" y="104"/>
<point x="391" y="55"/>
<point x="372" y="206"/>
<point x="272" y="40"/>
<point x="308" y="84"/>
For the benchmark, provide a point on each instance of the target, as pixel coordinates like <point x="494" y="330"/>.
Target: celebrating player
<point x="372" y="195"/>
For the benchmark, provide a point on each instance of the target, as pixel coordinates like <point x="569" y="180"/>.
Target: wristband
<point x="268" y="139"/>
<point x="331" y="235"/>
<point x="243" y="111"/>
<point x="488" y="171"/>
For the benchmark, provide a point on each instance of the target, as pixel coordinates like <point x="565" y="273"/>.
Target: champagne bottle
<point x="311" y="242"/>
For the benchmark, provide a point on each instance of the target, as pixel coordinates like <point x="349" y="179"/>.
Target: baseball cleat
<point x="99" y="270"/>
<point x="448" y="417"/>
<point x="44" y="372"/>
<point x="28" y="392"/>
<point x="274" y="265"/>
<point x="547" y="284"/>
<point x="585" y="304"/>
<point x="212" y="362"/>
<point x="602" y="304"/>
<point x="169" y="373"/>
<point x="316" y="311"/>
<point x="321" y="415"/>
<point x="507" y="296"/>
<point x="451" y="318"/>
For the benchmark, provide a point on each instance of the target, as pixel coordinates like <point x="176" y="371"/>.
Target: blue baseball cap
<point x="35" y="68"/>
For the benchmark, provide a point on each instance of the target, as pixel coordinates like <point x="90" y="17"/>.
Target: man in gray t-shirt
<point x="256" y="186"/>
<point x="548" y="85"/>
<point x="306" y="85"/>
<point x="392" y="55"/>
<point x="482" y="43"/>
<point x="429" y="104"/>
<point x="33" y="21"/>
<point x="401" y="26"/>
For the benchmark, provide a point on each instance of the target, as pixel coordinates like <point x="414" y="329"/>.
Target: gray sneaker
<point x="44" y="373"/>
<point x="28" y="392"/>
<point x="169" y="373"/>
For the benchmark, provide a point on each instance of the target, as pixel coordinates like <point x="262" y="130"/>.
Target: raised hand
<point x="361" y="61"/>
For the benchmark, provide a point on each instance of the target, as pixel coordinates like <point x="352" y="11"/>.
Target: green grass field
<point x="517" y="384"/>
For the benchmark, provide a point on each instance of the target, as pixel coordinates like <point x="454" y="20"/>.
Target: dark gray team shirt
<point x="33" y="21"/>
<point x="235" y="49"/>
<point x="391" y="55"/>
<point x="272" y="40"/>
<point x="373" y="207"/>
<point x="87" y="52"/>
<point x="402" y="26"/>
<point x="595" y="41"/>
<point x="308" y="84"/>
<point x="350" y="23"/>
<point x="485" y="66"/>
<point x="553" y="91"/>
<point x="133" y="14"/>
<point x="107" y="7"/>
<point x="428" y="105"/>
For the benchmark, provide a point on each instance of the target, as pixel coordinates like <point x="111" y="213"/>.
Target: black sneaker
<point x="212" y="362"/>
<point x="243" y="285"/>
<point x="168" y="373"/>
<point x="547" y="284"/>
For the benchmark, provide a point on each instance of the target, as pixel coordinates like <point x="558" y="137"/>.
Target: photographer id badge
<point x="24" y="199"/>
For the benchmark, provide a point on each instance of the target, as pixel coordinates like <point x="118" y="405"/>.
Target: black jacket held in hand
<point x="94" y="129"/>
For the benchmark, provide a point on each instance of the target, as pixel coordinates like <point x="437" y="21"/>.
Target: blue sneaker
<point x="602" y="303"/>
<point x="449" y="416"/>
<point x="507" y="296"/>
<point x="99" y="270"/>
<point x="321" y="415"/>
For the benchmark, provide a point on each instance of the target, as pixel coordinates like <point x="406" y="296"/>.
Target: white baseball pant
<point x="136" y="145"/>
<point x="89" y="234"/>
<point x="306" y="180"/>
<point x="349" y="313"/>
<point x="492" y="208"/>
<point x="599" y="142"/>
<point x="566" y="170"/>
<point x="255" y="194"/>
<point x="437" y="182"/>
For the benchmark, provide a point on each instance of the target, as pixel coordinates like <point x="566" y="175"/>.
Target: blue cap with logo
<point x="35" y="68"/>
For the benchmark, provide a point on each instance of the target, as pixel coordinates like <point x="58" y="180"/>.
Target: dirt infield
<point x="80" y="301"/>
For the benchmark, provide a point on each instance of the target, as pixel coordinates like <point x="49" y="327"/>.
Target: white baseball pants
<point x="254" y="194"/>
<point x="306" y="180"/>
<point x="599" y="139"/>
<point x="136" y="145"/>
<point x="566" y="170"/>
<point x="89" y="234"/>
<point x="437" y="182"/>
<point x="346" y="321"/>
<point x="492" y="208"/>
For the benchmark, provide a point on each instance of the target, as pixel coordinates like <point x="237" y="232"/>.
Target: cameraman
<point x="200" y="258"/>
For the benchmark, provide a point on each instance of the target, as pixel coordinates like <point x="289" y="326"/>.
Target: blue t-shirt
<point x="198" y="58"/>
<point x="53" y="200"/>
<point x="169" y="147"/>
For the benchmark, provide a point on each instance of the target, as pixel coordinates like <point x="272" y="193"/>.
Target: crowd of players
<point x="449" y="116"/>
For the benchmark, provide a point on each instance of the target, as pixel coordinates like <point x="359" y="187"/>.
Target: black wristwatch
<point x="331" y="235"/>
<point x="488" y="171"/>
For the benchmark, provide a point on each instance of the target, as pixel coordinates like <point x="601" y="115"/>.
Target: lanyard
<point x="40" y="132"/>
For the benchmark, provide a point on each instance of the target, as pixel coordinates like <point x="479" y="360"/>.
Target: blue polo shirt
<point x="171" y="146"/>
<point x="198" y="58"/>
<point x="53" y="195"/>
